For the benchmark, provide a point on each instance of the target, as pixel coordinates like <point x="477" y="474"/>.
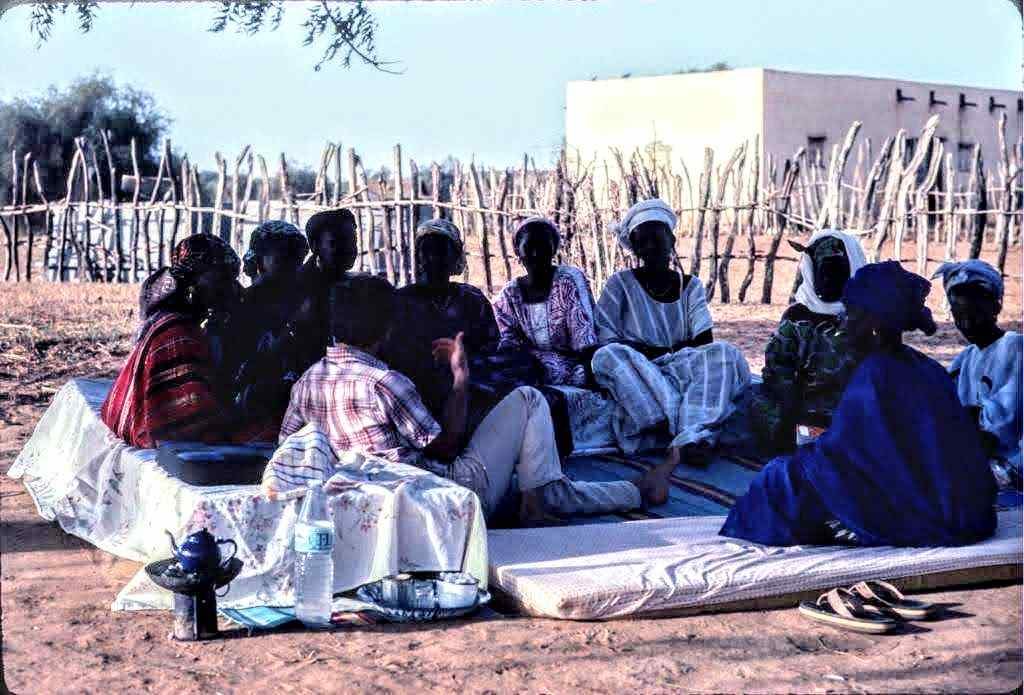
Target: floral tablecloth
<point x="388" y="518"/>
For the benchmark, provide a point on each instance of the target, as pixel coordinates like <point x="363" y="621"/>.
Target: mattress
<point x="672" y="566"/>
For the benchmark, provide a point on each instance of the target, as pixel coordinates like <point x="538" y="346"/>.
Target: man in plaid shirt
<point x="363" y="406"/>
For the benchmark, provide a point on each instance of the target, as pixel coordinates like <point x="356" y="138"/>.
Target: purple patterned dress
<point x="553" y="331"/>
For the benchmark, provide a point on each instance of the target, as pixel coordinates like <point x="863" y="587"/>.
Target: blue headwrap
<point x="972" y="272"/>
<point x="892" y="295"/>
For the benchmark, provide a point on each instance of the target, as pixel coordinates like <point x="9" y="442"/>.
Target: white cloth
<point x="626" y="312"/>
<point x="805" y="294"/>
<point x="651" y="210"/>
<point x="990" y="379"/>
<point x="390" y="518"/>
<point x="693" y="390"/>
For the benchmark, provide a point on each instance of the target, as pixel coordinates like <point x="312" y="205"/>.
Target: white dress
<point x="627" y="313"/>
<point x="692" y="390"/>
<point x="990" y="379"/>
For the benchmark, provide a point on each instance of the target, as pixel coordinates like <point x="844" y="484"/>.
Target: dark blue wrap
<point x="902" y="464"/>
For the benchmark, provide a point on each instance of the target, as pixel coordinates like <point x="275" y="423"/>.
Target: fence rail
<point x="106" y="229"/>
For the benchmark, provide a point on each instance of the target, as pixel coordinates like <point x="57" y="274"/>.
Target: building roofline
<point x="944" y="85"/>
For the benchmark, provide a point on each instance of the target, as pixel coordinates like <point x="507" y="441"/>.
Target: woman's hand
<point x="452" y="351"/>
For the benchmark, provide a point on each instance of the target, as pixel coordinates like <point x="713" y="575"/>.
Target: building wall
<point x="679" y="114"/>
<point x="800" y="105"/>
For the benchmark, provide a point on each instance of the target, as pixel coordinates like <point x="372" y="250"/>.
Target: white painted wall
<point x="684" y="113"/>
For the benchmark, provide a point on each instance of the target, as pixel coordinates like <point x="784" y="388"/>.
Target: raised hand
<point x="452" y="351"/>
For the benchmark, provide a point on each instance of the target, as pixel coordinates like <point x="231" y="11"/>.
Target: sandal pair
<point x="874" y="607"/>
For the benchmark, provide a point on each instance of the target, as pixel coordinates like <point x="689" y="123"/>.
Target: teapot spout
<point x="174" y="545"/>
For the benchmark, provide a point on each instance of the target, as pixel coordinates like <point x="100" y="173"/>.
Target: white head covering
<point x="654" y="209"/>
<point x="806" y="293"/>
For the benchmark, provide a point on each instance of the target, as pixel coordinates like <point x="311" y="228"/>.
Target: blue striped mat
<point x="708" y="490"/>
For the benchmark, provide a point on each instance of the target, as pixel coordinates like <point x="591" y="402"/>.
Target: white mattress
<point x="598" y="572"/>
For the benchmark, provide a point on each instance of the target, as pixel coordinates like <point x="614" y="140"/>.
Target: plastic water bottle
<point x="314" y="564"/>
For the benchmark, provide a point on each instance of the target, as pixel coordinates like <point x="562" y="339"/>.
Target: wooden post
<point x="84" y="246"/>
<point x="781" y="217"/>
<point x="414" y="218"/>
<point x="755" y="176"/>
<point x="389" y="237"/>
<point x="485" y="245"/>
<point x="372" y="248"/>
<point x="175" y="210"/>
<point x="892" y="183"/>
<point x="401" y="249"/>
<point x="948" y="217"/>
<point x="702" y="205"/>
<point x="336" y="199"/>
<point x="499" y="195"/>
<point x="13" y="240"/>
<point x="716" y="215"/>
<point x="723" y="272"/>
<point x="978" y="197"/>
<point x="921" y="198"/>
<point x="287" y="195"/>
<point x="115" y="203"/>
<point x="48" y="244"/>
<point x="237" y="231"/>
<point x="867" y="205"/>
<point x="435" y="189"/>
<point x="1007" y="175"/>
<point x="264" y="213"/>
<point x="831" y="210"/>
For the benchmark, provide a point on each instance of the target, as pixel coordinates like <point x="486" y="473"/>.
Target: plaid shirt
<point x="362" y="406"/>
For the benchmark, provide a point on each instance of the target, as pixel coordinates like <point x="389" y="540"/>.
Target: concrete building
<point x="675" y="117"/>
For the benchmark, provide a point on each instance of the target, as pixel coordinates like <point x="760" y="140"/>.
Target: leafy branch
<point x="347" y="26"/>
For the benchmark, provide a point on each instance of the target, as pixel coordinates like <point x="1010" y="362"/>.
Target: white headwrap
<point x="806" y="293"/>
<point x="654" y="209"/>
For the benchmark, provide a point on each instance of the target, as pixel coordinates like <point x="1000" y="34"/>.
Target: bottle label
<point x="313" y="539"/>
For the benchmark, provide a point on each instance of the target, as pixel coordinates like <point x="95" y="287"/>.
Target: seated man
<point x="988" y="371"/>
<point x="333" y="253"/>
<point x="363" y="406"/>
<point x="808" y="360"/>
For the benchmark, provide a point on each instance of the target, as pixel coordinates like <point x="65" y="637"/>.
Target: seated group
<point x="432" y="375"/>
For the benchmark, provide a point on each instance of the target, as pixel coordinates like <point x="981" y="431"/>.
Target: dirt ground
<point x="59" y="634"/>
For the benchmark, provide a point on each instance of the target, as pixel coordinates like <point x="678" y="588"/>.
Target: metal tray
<point x="371" y="593"/>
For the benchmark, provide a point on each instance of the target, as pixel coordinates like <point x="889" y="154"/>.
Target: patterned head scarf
<point x="973" y="272"/>
<point x="200" y="252"/>
<point x="532" y="223"/>
<point x="651" y="210"/>
<point x="824" y="244"/>
<point x="449" y="231"/>
<point x="892" y="295"/>
<point x="272" y="235"/>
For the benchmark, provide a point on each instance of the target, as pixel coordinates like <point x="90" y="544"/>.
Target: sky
<point x="485" y="79"/>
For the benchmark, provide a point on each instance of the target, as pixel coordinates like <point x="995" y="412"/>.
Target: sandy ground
<point x="60" y="636"/>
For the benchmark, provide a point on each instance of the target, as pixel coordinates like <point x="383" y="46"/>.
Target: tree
<point x="347" y="30"/>
<point x="48" y="125"/>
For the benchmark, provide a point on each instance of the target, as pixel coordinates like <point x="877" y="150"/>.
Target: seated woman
<point x="550" y="311"/>
<point x="987" y="373"/>
<point x="434" y="307"/>
<point x="270" y="352"/>
<point x="169" y="387"/>
<point x="808" y="362"/>
<point x="901" y="463"/>
<point x="659" y="361"/>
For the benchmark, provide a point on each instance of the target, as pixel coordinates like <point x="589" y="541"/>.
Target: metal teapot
<point x="200" y="552"/>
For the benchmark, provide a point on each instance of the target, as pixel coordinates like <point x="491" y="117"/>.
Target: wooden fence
<point x="736" y="210"/>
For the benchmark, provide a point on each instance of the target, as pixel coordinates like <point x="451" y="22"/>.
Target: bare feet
<point x="654" y="484"/>
<point x="532" y="511"/>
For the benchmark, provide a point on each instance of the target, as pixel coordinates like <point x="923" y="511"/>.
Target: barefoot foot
<point x="654" y="484"/>
<point x="532" y="511"/>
